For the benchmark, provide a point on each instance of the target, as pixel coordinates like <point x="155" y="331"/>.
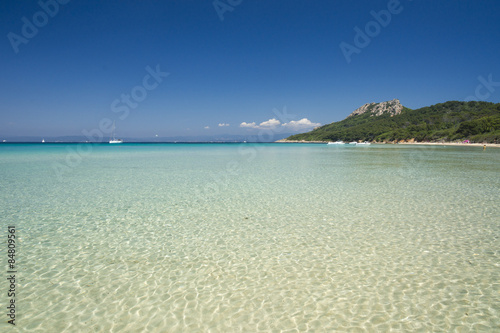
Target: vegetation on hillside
<point x="450" y="121"/>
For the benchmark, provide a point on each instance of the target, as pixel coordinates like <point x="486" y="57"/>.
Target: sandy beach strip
<point x="298" y="141"/>
<point x="494" y="145"/>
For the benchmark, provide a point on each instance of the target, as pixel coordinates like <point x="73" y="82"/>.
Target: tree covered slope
<point x="450" y="121"/>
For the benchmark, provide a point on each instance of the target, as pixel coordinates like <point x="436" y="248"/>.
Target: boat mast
<point x="113" y="132"/>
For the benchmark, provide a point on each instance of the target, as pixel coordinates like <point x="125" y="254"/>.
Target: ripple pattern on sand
<point x="298" y="239"/>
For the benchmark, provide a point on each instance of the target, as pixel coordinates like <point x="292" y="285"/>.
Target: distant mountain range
<point x="205" y="138"/>
<point x="392" y="122"/>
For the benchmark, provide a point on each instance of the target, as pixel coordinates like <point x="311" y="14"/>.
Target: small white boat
<point x="113" y="139"/>
<point x="336" y="143"/>
<point x="43" y="140"/>
<point x="352" y="142"/>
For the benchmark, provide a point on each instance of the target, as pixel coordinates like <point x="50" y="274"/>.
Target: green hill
<point x="390" y="122"/>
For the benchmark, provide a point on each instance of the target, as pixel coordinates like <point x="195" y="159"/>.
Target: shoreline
<point x="494" y="145"/>
<point x="298" y="141"/>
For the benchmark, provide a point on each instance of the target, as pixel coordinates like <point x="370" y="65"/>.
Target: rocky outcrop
<point x="393" y="107"/>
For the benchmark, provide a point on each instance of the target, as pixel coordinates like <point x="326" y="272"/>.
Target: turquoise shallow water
<point x="252" y="237"/>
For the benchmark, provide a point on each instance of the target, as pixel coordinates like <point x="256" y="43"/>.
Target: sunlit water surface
<point x="252" y="238"/>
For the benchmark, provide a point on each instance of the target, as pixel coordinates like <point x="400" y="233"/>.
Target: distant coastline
<point x="475" y="144"/>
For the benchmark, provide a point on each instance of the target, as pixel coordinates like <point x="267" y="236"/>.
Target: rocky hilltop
<point x="393" y="108"/>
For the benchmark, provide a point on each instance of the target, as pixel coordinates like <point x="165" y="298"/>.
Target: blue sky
<point x="263" y="56"/>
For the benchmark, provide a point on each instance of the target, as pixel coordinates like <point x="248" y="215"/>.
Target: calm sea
<point x="251" y="237"/>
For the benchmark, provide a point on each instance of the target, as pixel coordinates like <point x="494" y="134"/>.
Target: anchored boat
<point x="113" y="139"/>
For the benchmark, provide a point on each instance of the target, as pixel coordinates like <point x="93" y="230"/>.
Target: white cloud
<point x="207" y="127"/>
<point x="294" y="125"/>
<point x="249" y="125"/>
<point x="271" y="123"/>
<point x="268" y="124"/>
<point x="223" y="124"/>
<point x="301" y="124"/>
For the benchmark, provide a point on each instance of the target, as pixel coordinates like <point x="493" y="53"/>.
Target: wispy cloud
<point x="207" y="127"/>
<point x="223" y="125"/>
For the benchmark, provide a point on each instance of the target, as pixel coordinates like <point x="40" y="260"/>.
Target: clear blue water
<point x="253" y="237"/>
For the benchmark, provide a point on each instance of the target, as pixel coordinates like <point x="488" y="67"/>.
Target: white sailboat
<point x="113" y="139"/>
